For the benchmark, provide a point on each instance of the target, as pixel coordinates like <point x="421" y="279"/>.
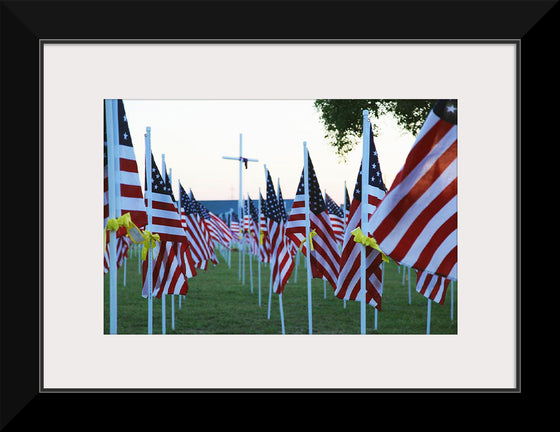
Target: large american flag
<point x="129" y="194"/>
<point x="336" y="214"/>
<point x="416" y="224"/>
<point x="349" y="281"/>
<point x="324" y="258"/>
<point x="280" y="257"/>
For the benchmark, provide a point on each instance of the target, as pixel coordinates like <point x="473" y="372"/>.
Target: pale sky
<point x="195" y="134"/>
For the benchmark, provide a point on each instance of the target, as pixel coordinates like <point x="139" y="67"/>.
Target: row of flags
<point x="414" y="222"/>
<point x="186" y="231"/>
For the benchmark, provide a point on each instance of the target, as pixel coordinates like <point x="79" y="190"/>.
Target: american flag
<point x="349" y="281"/>
<point x="432" y="286"/>
<point x="166" y="220"/>
<point x="325" y="258"/>
<point x="253" y="232"/>
<point x="169" y="271"/>
<point x="204" y="217"/>
<point x="182" y="249"/>
<point x="195" y="231"/>
<point x="219" y="230"/>
<point x="346" y="207"/>
<point x="416" y="224"/>
<point x="234" y="226"/>
<point x="264" y="244"/>
<point x="129" y="195"/>
<point x="282" y="205"/>
<point x="280" y="257"/>
<point x="336" y="215"/>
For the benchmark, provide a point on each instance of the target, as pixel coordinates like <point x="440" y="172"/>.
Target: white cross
<point x="241" y="160"/>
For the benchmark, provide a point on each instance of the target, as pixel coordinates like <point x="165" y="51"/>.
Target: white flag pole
<point x="111" y="113"/>
<point x="163" y="301"/>
<point x="364" y="218"/>
<point x="452" y="289"/>
<point x="344" y="220"/>
<point x="260" y="246"/>
<point x="307" y="231"/>
<point x="177" y="249"/>
<point x="149" y="227"/>
<point x="429" y="316"/>
<point x="181" y="219"/>
<point x="250" y="255"/>
<point x="409" y="297"/>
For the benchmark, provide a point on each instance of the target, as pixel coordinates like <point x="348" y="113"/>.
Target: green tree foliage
<point x="342" y="118"/>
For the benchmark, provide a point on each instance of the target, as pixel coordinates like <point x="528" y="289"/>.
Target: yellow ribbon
<point x="115" y="224"/>
<point x="148" y="239"/>
<point x="311" y="235"/>
<point x="360" y="237"/>
<point x="262" y="235"/>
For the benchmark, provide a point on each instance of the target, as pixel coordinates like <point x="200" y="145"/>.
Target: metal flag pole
<point x="260" y="246"/>
<point x="177" y="248"/>
<point x="344" y="221"/>
<point x="307" y="231"/>
<point x="163" y="301"/>
<point x="149" y="226"/>
<point x="241" y="160"/>
<point x="250" y="256"/>
<point x="180" y="208"/>
<point x="452" y="289"/>
<point x="364" y="219"/>
<point x="409" y="297"/>
<point x="111" y="113"/>
<point x="429" y="316"/>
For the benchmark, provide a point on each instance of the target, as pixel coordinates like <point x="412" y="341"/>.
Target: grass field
<point x="218" y="302"/>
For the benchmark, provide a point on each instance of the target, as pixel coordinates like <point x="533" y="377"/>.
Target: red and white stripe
<point x="416" y="224"/>
<point x="349" y="281"/>
<point x="432" y="286"/>
<point x="325" y="257"/>
<point x="168" y="276"/>
<point x="130" y="196"/>
<point x="123" y="244"/>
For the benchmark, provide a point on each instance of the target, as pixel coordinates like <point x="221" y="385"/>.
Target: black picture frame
<point x="26" y="25"/>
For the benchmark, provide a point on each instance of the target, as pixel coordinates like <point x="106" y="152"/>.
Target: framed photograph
<point x="388" y="50"/>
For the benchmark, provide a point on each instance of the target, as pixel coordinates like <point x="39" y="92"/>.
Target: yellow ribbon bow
<point x="311" y="235"/>
<point x="149" y="243"/>
<point x="123" y="221"/>
<point x="115" y="224"/>
<point x="262" y="235"/>
<point x="360" y="237"/>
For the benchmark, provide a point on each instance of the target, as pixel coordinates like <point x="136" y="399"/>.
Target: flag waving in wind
<point x="349" y="282"/>
<point x="280" y="258"/>
<point x="322" y="244"/>
<point x="416" y="224"/>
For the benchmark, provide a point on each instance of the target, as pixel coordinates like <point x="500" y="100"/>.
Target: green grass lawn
<point x="219" y="303"/>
